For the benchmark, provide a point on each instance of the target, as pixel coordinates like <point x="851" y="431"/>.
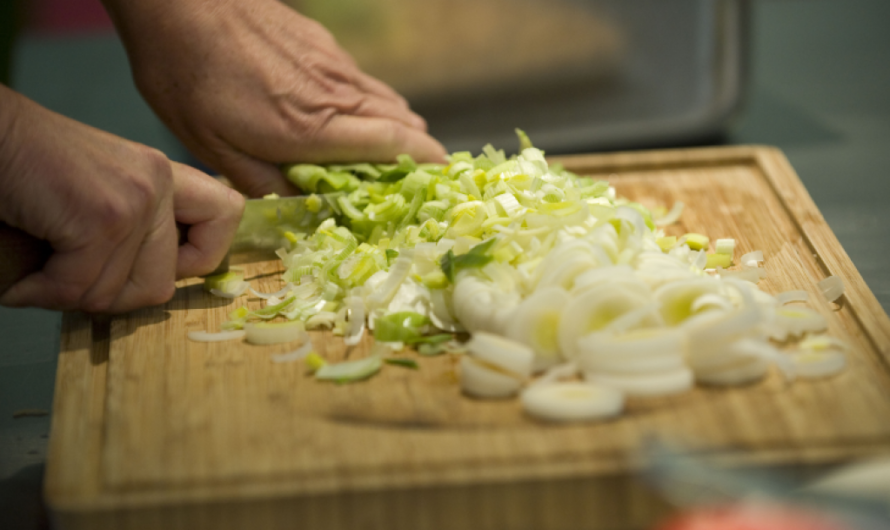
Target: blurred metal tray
<point x="577" y="75"/>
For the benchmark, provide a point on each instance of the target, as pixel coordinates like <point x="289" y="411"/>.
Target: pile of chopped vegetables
<point x="573" y="297"/>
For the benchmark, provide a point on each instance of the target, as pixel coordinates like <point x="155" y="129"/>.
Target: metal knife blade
<point x="266" y="221"/>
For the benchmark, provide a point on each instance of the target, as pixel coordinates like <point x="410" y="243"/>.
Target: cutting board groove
<point x="152" y="430"/>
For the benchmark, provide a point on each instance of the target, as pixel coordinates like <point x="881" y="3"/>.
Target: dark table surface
<point x="819" y="89"/>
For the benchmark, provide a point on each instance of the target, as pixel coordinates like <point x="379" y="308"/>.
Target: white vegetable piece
<point x="274" y="332"/>
<point x="203" y="336"/>
<point x="535" y="323"/>
<point x="505" y="354"/>
<point x="480" y="380"/>
<point x="647" y="385"/>
<point x="572" y="401"/>
<point x="296" y="355"/>
<point x="832" y="288"/>
<point x="592" y="311"/>
<point x="815" y="364"/>
<point x="745" y="371"/>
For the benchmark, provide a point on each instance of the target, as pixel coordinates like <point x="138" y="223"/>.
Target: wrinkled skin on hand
<point x="249" y="85"/>
<point x="109" y="208"/>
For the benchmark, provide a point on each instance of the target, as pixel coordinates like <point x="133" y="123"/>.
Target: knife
<point x="262" y="230"/>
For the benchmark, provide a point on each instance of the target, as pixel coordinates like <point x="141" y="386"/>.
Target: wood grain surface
<point x="152" y="430"/>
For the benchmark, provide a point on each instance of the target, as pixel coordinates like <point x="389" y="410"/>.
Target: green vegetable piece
<point x="220" y="281"/>
<point x="431" y="350"/>
<point x="305" y="176"/>
<point x="350" y="371"/>
<point x="432" y="339"/>
<point x="718" y="260"/>
<point x="477" y="257"/>
<point x="524" y="141"/>
<point x="403" y="326"/>
<point x="405" y="363"/>
<point x="314" y="361"/>
<point x="273" y="310"/>
<point x="368" y="171"/>
<point x="697" y="241"/>
<point x="647" y="215"/>
<point x="395" y="173"/>
<point x="391" y="255"/>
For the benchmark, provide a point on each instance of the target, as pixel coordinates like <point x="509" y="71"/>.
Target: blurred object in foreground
<point x="752" y="517"/>
<point x="577" y="75"/>
<point x="719" y="498"/>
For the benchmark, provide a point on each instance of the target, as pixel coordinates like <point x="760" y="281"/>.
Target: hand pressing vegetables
<point x="249" y="85"/>
<point x="549" y="272"/>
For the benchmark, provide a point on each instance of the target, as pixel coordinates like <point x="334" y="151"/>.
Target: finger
<point x="212" y="211"/>
<point x="372" y="85"/>
<point x="356" y="138"/>
<point x="152" y="278"/>
<point x="86" y="277"/>
<point x="254" y="177"/>
<point x="374" y="106"/>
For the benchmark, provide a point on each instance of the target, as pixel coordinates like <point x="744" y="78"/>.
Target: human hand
<point x="250" y="85"/>
<point x="109" y="208"/>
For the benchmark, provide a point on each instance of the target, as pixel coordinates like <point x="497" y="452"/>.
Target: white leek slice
<point x="508" y="355"/>
<point x="480" y="380"/>
<point x="751" y="259"/>
<point x="296" y="355"/>
<point x="646" y="385"/>
<point x="747" y="371"/>
<point x="815" y="364"/>
<point x="711" y="301"/>
<point x="321" y="320"/>
<point x="225" y="282"/>
<point x="274" y="332"/>
<point x="677" y="298"/>
<point x="792" y="296"/>
<point x="823" y="342"/>
<point x="598" y="350"/>
<point x="535" y="323"/>
<point x="203" y="336"/>
<point x="350" y="371"/>
<point x="234" y="290"/>
<point x="751" y="274"/>
<point x="672" y="216"/>
<point x="725" y="246"/>
<point x="556" y="373"/>
<point x="572" y="402"/>
<point x="355" y="328"/>
<point x="832" y="288"/>
<point x="592" y="311"/>
<point x="277" y="294"/>
<point x="795" y="321"/>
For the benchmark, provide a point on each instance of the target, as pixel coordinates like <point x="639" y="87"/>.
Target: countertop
<point x="819" y="89"/>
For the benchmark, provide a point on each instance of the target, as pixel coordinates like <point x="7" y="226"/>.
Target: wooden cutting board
<point x="151" y="430"/>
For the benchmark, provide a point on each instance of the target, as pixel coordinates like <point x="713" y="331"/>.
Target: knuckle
<point x="161" y="294"/>
<point x="99" y="304"/>
<point x="394" y="135"/>
<point x="69" y="295"/>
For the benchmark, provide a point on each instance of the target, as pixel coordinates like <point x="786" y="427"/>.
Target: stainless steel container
<point x="577" y="75"/>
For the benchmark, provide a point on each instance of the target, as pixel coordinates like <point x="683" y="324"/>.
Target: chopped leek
<point x="350" y="371"/>
<point x="404" y="363"/>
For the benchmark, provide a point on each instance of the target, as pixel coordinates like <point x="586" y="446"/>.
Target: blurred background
<point x="808" y="76"/>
